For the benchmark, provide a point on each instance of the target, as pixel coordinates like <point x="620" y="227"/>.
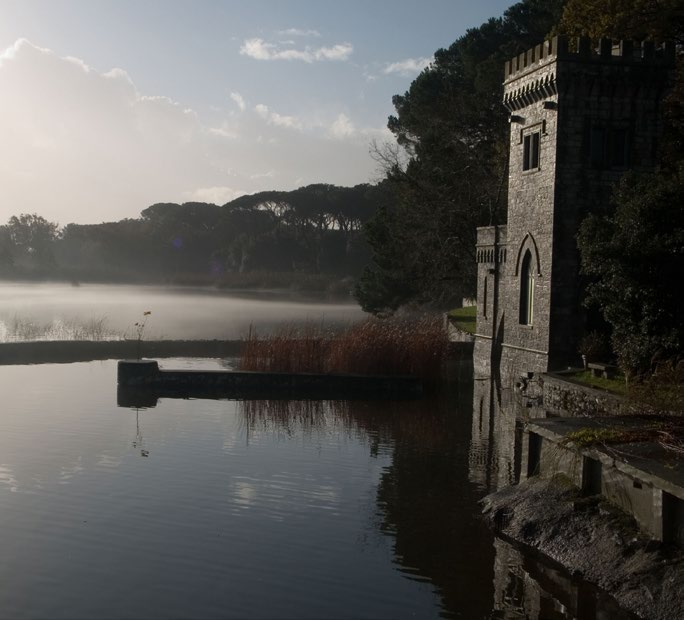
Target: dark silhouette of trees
<point x="635" y="257"/>
<point x="633" y="252"/>
<point x="447" y="173"/>
<point x="625" y="19"/>
<point x="311" y="230"/>
<point x="32" y="239"/>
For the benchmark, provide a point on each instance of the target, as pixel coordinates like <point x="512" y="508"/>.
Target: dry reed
<point x="23" y="329"/>
<point x="413" y="345"/>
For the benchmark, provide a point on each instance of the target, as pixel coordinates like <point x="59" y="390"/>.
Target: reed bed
<point x="20" y="329"/>
<point x="410" y="345"/>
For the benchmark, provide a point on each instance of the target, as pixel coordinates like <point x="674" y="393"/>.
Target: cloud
<point x="225" y="131"/>
<point x="215" y="195"/>
<point x="11" y="51"/>
<point x="296" y="32"/>
<point x="86" y="146"/>
<point x="273" y="118"/>
<point x="239" y="101"/>
<point x="262" y="175"/>
<point x="342" y="127"/>
<point x="336" y="52"/>
<point x="261" y="50"/>
<point x="408" y="67"/>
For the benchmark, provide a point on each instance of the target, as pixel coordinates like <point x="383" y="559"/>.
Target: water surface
<point x="259" y="509"/>
<point x="220" y="509"/>
<point x="48" y="310"/>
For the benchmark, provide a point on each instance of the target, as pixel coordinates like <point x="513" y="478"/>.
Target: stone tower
<point x="580" y="116"/>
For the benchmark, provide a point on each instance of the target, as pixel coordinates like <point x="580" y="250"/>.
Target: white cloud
<point x="273" y="118"/>
<point x="261" y="50"/>
<point x="285" y="121"/>
<point x="296" y="32"/>
<point x="408" y="67"/>
<point x="342" y="127"/>
<point x="336" y="52"/>
<point x="225" y="131"/>
<point x="216" y="195"/>
<point x="85" y="146"/>
<point x="11" y="51"/>
<point x="257" y="48"/>
<point x="262" y="175"/>
<point x="239" y="101"/>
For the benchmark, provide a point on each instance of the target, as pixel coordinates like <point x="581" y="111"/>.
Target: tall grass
<point x="410" y="345"/>
<point x="21" y="329"/>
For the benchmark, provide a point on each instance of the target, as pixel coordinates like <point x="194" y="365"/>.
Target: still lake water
<point x="225" y="509"/>
<point x="178" y="313"/>
<point x="199" y="508"/>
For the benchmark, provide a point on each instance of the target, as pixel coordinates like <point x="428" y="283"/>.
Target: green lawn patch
<point x="464" y="318"/>
<point x="616" y="385"/>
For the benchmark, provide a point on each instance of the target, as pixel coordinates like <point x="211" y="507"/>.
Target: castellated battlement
<point x="532" y="76"/>
<point x="586" y="50"/>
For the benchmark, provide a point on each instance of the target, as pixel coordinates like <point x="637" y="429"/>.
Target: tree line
<point x="315" y="229"/>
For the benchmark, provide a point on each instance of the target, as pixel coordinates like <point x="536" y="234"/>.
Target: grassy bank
<point x="661" y="391"/>
<point x="616" y="385"/>
<point x="464" y="318"/>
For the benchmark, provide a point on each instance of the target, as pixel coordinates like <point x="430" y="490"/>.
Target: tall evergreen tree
<point x="448" y="173"/>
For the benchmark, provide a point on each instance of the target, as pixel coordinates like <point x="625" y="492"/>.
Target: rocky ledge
<point x="593" y="540"/>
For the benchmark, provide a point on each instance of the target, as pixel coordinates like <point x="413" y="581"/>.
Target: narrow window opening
<point x="527" y="290"/>
<point x="484" y="296"/>
<point x="531" y="145"/>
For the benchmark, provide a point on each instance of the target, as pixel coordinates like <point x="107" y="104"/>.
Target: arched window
<point x="527" y="290"/>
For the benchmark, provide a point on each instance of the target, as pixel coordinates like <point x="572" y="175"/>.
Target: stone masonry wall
<point x="491" y="259"/>
<point x="530" y="212"/>
<point x="569" y="98"/>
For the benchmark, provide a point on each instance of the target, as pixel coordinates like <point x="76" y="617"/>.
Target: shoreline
<point x="67" y="351"/>
<point x="550" y="516"/>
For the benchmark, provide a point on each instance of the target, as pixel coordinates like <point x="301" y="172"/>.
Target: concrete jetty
<point x="142" y="381"/>
<point x="641" y="477"/>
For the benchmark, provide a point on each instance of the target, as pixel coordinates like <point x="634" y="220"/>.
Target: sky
<point x="109" y="106"/>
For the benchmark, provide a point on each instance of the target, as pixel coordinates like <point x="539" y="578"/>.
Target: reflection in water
<point x="138" y="441"/>
<point x="495" y="444"/>
<point x="257" y="509"/>
<point x="535" y="588"/>
<point x="526" y="585"/>
<point x="425" y="502"/>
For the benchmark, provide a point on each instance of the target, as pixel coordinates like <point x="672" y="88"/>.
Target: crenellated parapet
<point x="491" y="244"/>
<point x="521" y="88"/>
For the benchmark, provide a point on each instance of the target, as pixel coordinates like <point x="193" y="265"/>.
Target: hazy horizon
<point x="111" y="106"/>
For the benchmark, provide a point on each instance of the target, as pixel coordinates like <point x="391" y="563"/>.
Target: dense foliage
<point x="448" y="173"/>
<point x="634" y="254"/>
<point x="311" y="230"/>
<point x="661" y="20"/>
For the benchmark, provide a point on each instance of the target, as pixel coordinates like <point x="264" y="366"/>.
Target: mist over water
<point x="50" y="310"/>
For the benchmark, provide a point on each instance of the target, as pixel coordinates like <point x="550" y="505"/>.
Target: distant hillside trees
<point x="311" y="230"/>
<point x="447" y="173"/>
<point x="29" y="241"/>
